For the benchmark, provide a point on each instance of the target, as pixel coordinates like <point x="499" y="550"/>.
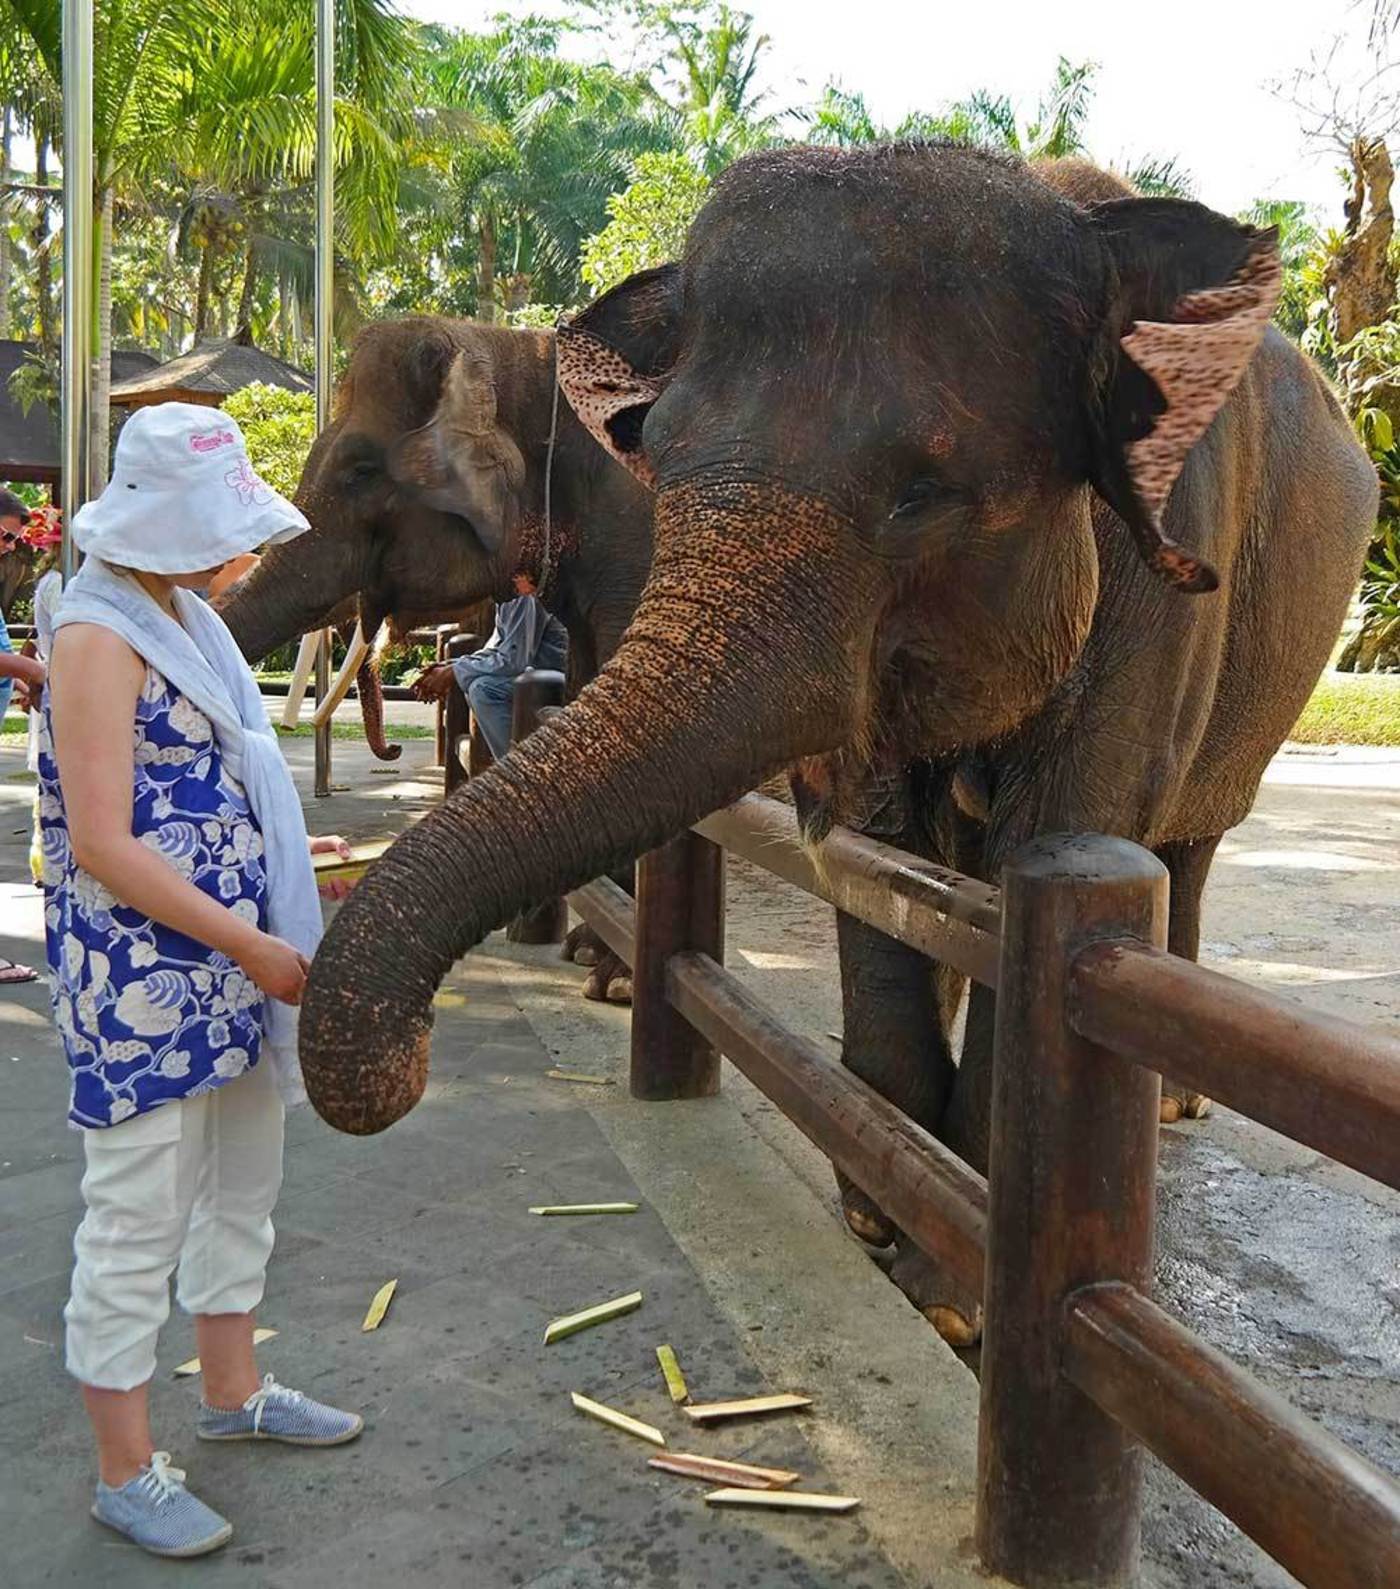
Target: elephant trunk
<point x="293" y="590"/>
<point x="371" y="695"/>
<point x="738" y="661"/>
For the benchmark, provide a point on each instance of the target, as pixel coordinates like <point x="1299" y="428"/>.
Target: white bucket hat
<point x="183" y="496"/>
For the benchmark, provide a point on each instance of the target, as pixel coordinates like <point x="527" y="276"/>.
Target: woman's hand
<point x="332" y="844"/>
<point x="276" y="967"/>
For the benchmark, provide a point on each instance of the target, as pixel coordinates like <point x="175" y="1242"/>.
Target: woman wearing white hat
<point x="180" y="910"/>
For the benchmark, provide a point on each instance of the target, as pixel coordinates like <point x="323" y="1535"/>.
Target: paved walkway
<point x="474" y="1470"/>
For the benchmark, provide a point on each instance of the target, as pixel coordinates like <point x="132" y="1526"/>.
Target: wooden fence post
<point x="1072" y="1190"/>
<point x="547" y="922"/>
<point x="680" y="905"/>
<point x="456" y="716"/>
<point x="444" y="632"/>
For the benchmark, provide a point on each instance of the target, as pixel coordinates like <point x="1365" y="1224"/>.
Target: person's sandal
<point x="12" y="973"/>
<point x="155" y="1511"/>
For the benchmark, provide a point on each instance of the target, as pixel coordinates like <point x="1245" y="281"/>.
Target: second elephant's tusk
<point x="355" y="654"/>
<point x="301" y="677"/>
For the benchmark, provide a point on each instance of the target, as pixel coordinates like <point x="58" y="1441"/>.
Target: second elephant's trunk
<point x="739" y="660"/>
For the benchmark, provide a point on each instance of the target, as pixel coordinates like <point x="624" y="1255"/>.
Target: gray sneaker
<point x="155" y="1511"/>
<point x="273" y="1412"/>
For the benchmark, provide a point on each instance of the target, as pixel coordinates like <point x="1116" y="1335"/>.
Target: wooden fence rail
<point x="1080" y="1370"/>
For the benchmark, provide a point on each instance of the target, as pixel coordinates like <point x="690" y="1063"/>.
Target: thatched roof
<point x="208" y="373"/>
<point x="29" y="442"/>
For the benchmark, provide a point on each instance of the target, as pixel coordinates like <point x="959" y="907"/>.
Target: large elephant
<point x="989" y="509"/>
<point x="429" y="489"/>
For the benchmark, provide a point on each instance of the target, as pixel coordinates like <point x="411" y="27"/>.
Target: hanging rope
<point x="549" y="474"/>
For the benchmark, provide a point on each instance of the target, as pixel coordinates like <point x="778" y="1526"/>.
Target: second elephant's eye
<point x="916" y="497"/>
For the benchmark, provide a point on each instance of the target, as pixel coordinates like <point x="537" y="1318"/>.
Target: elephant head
<point x="878" y="400"/>
<point x="420" y="491"/>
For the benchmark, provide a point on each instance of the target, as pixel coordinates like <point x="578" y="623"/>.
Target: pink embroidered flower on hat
<point x="250" y="489"/>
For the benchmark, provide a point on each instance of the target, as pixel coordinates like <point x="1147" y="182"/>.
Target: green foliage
<point x="31" y="495"/>
<point x="702" y="73"/>
<point x="35" y="380"/>
<point x="647" y="221"/>
<point x="534" y="316"/>
<point x="842" y="119"/>
<point x="279" y="427"/>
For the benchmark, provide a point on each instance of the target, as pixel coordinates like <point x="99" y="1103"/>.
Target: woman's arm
<point x="95" y="679"/>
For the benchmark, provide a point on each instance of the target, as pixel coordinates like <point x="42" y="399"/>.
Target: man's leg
<point x="492" y="703"/>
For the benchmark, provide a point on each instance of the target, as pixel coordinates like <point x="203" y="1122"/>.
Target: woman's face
<point x="198" y="580"/>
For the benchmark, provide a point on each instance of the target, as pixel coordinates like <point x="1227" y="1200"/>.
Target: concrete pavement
<point x="474" y="1469"/>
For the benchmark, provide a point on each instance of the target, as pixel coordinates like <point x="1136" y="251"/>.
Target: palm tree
<point x="989" y="121"/>
<point x="536" y="144"/>
<point x="251" y="141"/>
<point x="222" y="91"/>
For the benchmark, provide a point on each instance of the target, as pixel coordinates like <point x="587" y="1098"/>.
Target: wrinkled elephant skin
<point x="984" y="493"/>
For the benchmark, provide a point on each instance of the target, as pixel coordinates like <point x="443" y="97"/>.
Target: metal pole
<point x="77" y="268"/>
<point x="325" y="286"/>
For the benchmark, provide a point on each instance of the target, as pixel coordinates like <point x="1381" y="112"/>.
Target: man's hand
<point x="332" y="844"/>
<point x="433" y="683"/>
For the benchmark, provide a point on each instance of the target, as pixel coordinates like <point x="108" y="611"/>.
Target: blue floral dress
<point x="147" y="1014"/>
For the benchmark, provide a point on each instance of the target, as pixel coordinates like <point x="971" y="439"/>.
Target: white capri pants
<point x="191" y="1182"/>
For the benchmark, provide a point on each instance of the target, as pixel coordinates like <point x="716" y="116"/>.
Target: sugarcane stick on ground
<point x="617" y="1420"/>
<point x="715" y="1470"/>
<point x="380" y="1305"/>
<point x="671" y="1371"/>
<point x="572" y="1323"/>
<point x="586" y="1208"/>
<point x="754" y="1407"/>
<point x="577" y="1075"/>
<point x="786" y="1500"/>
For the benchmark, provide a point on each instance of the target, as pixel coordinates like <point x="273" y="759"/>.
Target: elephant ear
<point x="1196" y="291"/>
<point x="614" y="360"/>
<point x="462" y="461"/>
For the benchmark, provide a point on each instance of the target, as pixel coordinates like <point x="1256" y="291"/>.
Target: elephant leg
<point x="610" y="977"/>
<point x="894" y="1040"/>
<point x="954" y="1311"/>
<point x="1188" y="864"/>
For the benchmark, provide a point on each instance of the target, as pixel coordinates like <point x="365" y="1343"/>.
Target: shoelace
<point x="265" y="1393"/>
<point x="160" y="1481"/>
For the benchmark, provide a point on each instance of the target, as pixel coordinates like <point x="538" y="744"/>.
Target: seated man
<point x="526" y="635"/>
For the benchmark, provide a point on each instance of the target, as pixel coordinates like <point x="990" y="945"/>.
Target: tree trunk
<point x="39" y="242"/>
<point x="517" y="291"/>
<point x="6" y="255"/>
<point x="284" y="317"/>
<point x="248" y="296"/>
<point x="206" y="281"/>
<point x="1360" y="278"/>
<point x="298" y="330"/>
<point x="486" y="281"/>
<point x="102" y="364"/>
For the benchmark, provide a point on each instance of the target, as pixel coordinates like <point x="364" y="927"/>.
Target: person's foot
<point x="155" y="1511"/>
<point x="273" y="1412"/>
<point x="12" y="971"/>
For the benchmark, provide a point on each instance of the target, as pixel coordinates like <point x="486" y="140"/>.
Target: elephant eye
<point x="361" y="473"/>
<point x="918" y="496"/>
